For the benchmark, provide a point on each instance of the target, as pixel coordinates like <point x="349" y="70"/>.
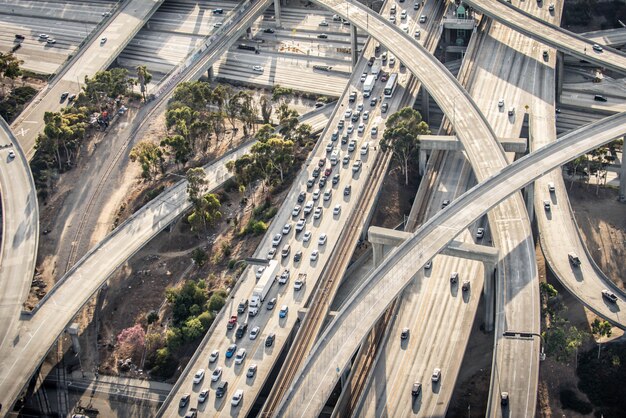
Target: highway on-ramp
<point x="334" y="349"/>
<point x="549" y="34"/>
<point x="20" y="231"/>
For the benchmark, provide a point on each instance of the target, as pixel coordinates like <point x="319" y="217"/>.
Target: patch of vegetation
<point x="569" y="400"/>
<point x="601" y="379"/>
<point x="13" y="104"/>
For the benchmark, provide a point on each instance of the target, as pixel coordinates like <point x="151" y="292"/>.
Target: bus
<point x="391" y="85"/>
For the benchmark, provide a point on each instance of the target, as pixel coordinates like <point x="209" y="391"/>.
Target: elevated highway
<point x="91" y="58"/>
<point x="612" y="37"/>
<point x="334" y="349"/>
<point x="20" y="231"/>
<point x="549" y="34"/>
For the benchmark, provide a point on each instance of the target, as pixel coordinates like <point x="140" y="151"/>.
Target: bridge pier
<point x="249" y="33"/>
<point x="529" y="198"/>
<point x="354" y="45"/>
<point x="622" y="180"/>
<point x="425" y="110"/>
<point x="560" y="58"/>
<point x="379" y="253"/>
<point x="72" y="330"/>
<point x="277" y="12"/>
<point x="422" y="162"/>
<point x="489" y="294"/>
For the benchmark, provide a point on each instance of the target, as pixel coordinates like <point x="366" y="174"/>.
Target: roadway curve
<point x="20" y="231"/>
<point x="549" y="34"/>
<point x="336" y="346"/>
<point x="510" y="224"/>
<point x="69" y="295"/>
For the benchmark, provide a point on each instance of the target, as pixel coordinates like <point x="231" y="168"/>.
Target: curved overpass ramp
<point x="333" y="351"/>
<point x="549" y="34"/>
<point x="20" y="232"/>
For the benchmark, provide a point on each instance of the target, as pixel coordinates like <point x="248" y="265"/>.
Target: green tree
<point x="199" y="257"/>
<point x="288" y="120"/>
<point x="178" y="147"/>
<point x="206" y="213"/>
<point x="401" y="136"/>
<point x="9" y="68"/>
<point x="144" y="77"/>
<point x="281" y="94"/>
<point x="266" y="108"/>
<point x="601" y="329"/>
<point x="216" y="302"/>
<point x="150" y="156"/>
<point x="193" y="329"/>
<point x="196" y="183"/>
<point x="302" y="134"/>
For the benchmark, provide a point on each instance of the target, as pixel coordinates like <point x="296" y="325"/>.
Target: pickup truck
<point x="300" y="281"/>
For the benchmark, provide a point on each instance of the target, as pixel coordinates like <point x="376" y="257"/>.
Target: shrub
<point x="569" y="400"/>
<point x="152" y="317"/>
<point x="216" y="302"/>
<point x="199" y="257"/>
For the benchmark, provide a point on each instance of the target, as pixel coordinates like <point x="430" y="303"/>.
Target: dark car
<point x="321" y="162"/>
<point x="336" y="178"/>
<point x="417" y="388"/>
<point x="184" y="400"/>
<point x="347" y="190"/>
<point x="301" y="197"/>
<point x="384" y="107"/>
<point x="218" y="11"/>
<point x="322" y="36"/>
<point x="297" y="256"/>
<point x="316" y="172"/>
<point x="328" y="171"/>
<point x="310" y="182"/>
<point x="19" y="37"/>
<point x="370" y="62"/>
<point x="268" y="30"/>
<point x="269" y="341"/>
<point x="600" y="98"/>
<point x="404" y="334"/>
<point x="323" y="181"/>
<point x="241" y="330"/>
<point x="221" y="389"/>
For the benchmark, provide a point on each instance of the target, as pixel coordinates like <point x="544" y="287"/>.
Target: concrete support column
<point x="529" y="197"/>
<point x="354" y="45"/>
<point x="560" y="57"/>
<point x="379" y="253"/>
<point x="277" y="12"/>
<point x="622" y="180"/>
<point x="490" y="300"/>
<point x="73" y="331"/>
<point x="422" y="162"/>
<point x="425" y="105"/>
<point x="210" y="75"/>
<point x="249" y="33"/>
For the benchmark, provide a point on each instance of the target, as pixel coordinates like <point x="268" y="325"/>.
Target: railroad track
<point x="330" y="279"/>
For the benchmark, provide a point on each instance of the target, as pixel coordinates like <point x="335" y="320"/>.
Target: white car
<point x="366" y="115"/>
<point x="360" y="107"/>
<point x="480" y="232"/>
<point x="361" y="127"/>
<point x="329" y="147"/>
<point x="257" y="68"/>
<point x="300" y="225"/>
<point x="314" y="255"/>
<point x="197" y="378"/>
<point x="356" y="166"/>
<point x="392" y="61"/>
<point x="316" y="194"/>
<point x="322" y="239"/>
<point x="363" y="77"/>
<point x="237" y="397"/>
<point x="337" y="210"/>
<point x="350" y="129"/>
<point x="403" y="14"/>
<point x="417" y="33"/>
<point x="276" y="240"/>
<point x="323" y="23"/>
<point x="203" y="395"/>
<point x="217" y="373"/>
<point x="103" y="40"/>
<point x="297" y="285"/>
<point x="374" y="130"/>
<point x="11" y="155"/>
<point x="259" y="272"/>
<point x="254" y="333"/>
<point x="286" y="229"/>
<point x="43" y="36"/>
<point x="307" y="236"/>
<point x="328" y="194"/>
<point x="392" y="19"/>
<point x="214" y="356"/>
<point x="271" y="253"/>
<point x="423" y="19"/>
<point x="296" y="210"/>
<point x="501" y="103"/>
<point x="436" y="375"/>
<point x="241" y="355"/>
<point x="318" y="213"/>
<point x="284" y="277"/>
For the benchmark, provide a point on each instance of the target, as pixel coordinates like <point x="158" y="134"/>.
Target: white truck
<point x="376" y="67"/>
<point x="368" y="85"/>
<point x="264" y="284"/>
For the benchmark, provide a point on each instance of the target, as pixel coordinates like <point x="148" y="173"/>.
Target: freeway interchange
<point x="477" y="127"/>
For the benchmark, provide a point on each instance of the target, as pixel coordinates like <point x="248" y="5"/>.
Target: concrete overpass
<point x="20" y="231"/>
<point x="612" y="37"/>
<point x="91" y="58"/>
<point x="334" y="349"/>
<point x="549" y="34"/>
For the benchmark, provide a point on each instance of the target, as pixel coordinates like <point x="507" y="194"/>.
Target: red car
<point x="328" y="171"/>
<point x="232" y="322"/>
